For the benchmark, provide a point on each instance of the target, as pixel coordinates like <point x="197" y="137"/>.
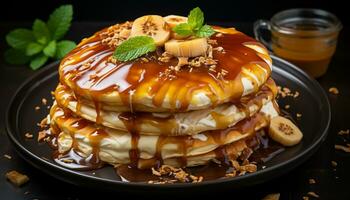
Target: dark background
<point x="215" y="10"/>
<point x="90" y="16"/>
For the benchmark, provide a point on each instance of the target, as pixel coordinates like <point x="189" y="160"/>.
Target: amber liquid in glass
<point x="305" y="47"/>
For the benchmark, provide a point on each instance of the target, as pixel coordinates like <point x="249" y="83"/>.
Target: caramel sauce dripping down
<point x="73" y="158"/>
<point x="89" y="73"/>
<point x="132" y="79"/>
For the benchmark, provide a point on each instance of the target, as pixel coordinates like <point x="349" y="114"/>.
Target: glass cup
<point x="305" y="37"/>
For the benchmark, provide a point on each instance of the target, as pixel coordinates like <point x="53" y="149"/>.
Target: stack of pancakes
<point x="144" y="114"/>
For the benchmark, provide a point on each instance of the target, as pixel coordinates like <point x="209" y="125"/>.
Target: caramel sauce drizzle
<point x="89" y="73"/>
<point x="73" y="157"/>
<point x="95" y="135"/>
<point x="135" y="78"/>
<point x="167" y="123"/>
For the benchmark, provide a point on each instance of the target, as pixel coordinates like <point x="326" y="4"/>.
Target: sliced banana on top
<point x="284" y="131"/>
<point x="173" y="20"/>
<point x="153" y="26"/>
<point x="187" y="48"/>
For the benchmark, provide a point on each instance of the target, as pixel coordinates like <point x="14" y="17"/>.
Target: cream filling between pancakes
<point x="114" y="147"/>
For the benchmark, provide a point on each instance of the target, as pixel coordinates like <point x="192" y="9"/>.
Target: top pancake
<point x="147" y="84"/>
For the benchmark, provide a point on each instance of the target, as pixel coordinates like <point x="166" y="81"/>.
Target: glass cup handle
<point x="262" y="24"/>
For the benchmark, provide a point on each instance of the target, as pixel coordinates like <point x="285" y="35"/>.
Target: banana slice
<point x="187" y="48"/>
<point x="153" y="26"/>
<point x="172" y="21"/>
<point x="285" y="132"/>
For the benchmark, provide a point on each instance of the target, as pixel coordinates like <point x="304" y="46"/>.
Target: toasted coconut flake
<point x="219" y="35"/>
<point x="286" y="92"/>
<point x="178" y="174"/>
<point x="273" y="196"/>
<point x="313" y="194"/>
<point x="213" y="42"/>
<point x="42" y="135"/>
<point x="334" y="164"/>
<point x="333" y="90"/>
<point x="44" y="101"/>
<point x="116" y="34"/>
<point x="344" y="132"/>
<point x="28" y="135"/>
<point x="312" y="181"/>
<point x="343" y="148"/>
<point x="165" y="57"/>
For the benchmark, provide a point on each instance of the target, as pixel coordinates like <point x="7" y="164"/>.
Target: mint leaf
<point x="50" y="49"/>
<point x="205" y="31"/>
<point x="134" y="47"/>
<point x="194" y="25"/>
<point x="20" y="38"/>
<point x="40" y="31"/>
<point x="63" y="47"/>
<point x="16" y="57"/>
<point x="183" y="29"/>
<point x="38" y="61"/>
<point x="196" y="18"/>
<point x="60" y="21"/>
<point x="33" y="48"/>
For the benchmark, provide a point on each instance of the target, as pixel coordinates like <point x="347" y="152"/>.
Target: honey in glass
<point x="305" y="37"/>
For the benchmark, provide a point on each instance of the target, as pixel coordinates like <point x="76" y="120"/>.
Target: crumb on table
<point x="343" y="148"/>
<point x="44" y="101"/>
<point x="313" y="194"/>
<point x="17" y="178"/>
<point x="28" y="135"/>
<point x="273" y="196"/>
<point x="312" y="181"/>
<point x="344" y="132"/>
<point x="334" y="164"/>
<point x="333" y="90"/>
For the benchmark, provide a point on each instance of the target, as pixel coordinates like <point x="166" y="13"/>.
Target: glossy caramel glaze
<point x="145" y="86"/>
<point x="169" y="124"/>
<point x="65" y="120"/>
<point x="264" y="150"/>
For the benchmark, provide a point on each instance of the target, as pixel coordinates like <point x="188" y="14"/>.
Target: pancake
<point x="148" y="84"/>
<point x="232" y="151"/>
<point x="118" y="147"/>
<point x="173" y="124"/>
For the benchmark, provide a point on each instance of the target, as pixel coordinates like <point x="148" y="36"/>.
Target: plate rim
<point x="300" y="158"/>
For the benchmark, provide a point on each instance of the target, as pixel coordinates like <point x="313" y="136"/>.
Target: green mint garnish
<point x="196" y="18"/>
<point x="205" y="31"/>
<point x="36" y="46"/>
<point x="20" y="38"/>
<point x="194" y="25"/>
<point x="41" y="32"/>
<point x="183" y="29"/>
<point x="60" y="21"/>
<point x="63" y="47"/>
<point x="134" y="47"/>
<point x="38" y="61"/>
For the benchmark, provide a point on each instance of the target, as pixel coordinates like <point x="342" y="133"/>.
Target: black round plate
<point x="312" y="103"/>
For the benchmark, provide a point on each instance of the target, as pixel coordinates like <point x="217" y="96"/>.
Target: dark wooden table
<point x="331" y="182"/>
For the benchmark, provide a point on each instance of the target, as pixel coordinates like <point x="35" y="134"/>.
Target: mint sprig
<point x="134" y="47"/>
<point x="36" y="46"/>
<point x="60" y="21"/>
<point x="194" y="25"/>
